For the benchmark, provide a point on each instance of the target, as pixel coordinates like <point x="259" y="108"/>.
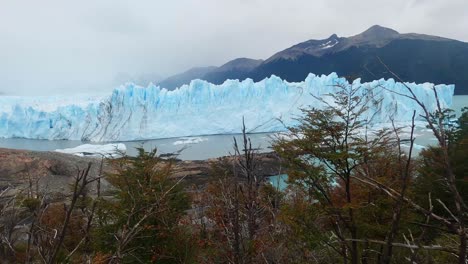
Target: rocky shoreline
<point x="53" y="172"/>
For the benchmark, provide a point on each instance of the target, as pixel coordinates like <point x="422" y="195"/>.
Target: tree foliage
<point x="141" y="222"/>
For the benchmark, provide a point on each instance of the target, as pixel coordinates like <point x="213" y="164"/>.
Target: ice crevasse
<point x="133" y="112"/>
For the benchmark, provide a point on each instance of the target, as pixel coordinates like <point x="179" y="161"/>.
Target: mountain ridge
<point x="414" y="57"/>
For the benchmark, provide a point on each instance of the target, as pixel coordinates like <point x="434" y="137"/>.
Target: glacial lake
<point x="201" y="147"/>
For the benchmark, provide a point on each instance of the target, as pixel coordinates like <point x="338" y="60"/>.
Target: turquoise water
<point x="459" y="101"/>
<point x="279" y="181"/>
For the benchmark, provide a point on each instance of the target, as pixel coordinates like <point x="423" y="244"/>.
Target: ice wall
<point x="133" y="113"/>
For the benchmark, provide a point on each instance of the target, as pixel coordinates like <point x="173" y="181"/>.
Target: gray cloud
<point x="56" y="46"/>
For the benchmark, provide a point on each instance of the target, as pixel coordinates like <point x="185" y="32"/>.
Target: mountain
<point x="374" y="37"/>
<point x="235" y="69"/>
<point x="185" y="77"/>
<point x="414" y="57"/>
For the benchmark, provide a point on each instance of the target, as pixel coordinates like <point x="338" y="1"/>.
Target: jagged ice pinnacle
<point x="132" y="112"/>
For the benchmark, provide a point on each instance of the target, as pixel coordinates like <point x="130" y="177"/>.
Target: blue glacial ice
<point x="133" y="112"/>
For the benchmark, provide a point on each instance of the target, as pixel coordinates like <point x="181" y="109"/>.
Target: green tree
<point x="431" y="175"/>
<point x="141" y="223"/>
<point x="330" y="162"/>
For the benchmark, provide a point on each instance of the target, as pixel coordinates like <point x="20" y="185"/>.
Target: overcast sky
<point x="63" y="47"/>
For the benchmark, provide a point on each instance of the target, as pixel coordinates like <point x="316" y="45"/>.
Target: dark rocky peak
<point x="377" y="31"/>
<point x="376" y="36"/>
<point x="245" y="64"/>
<point x="316" y="43"/>
<point x="314" y="47"/>
<point x="334" y="36"/>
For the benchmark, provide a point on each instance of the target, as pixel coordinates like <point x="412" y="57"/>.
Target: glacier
<point x="133" y="112"/>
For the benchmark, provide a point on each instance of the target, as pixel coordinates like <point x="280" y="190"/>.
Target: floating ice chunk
<point x="189" y="140"/>
<point x="108" y="150"/>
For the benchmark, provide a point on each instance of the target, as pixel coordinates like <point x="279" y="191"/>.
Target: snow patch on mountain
<point x="329" y="44"/>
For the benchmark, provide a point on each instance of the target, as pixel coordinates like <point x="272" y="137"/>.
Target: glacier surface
<point x="133" y="112"/>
